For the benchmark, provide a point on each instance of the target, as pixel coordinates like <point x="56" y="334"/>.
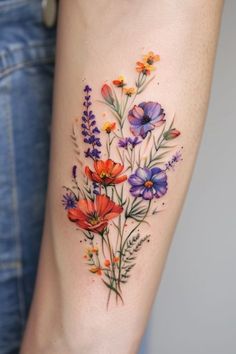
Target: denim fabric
<point x="26" y="73"/>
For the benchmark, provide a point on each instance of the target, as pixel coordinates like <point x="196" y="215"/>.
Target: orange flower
<point x="94" y="250"/>
<point x="115" y="259"/>
<point x="129" y="91"/>
<point x="107" y="263"/>
<point x="90" y="251"/>
<point x="96" y="270"/>
<point x="119" y="82"/>
<point x="109" y="127"/>
<point x="144" y="68"/>
<point x="151" y="58"/>
<point x="106" y="172"/>
<point x="94" y="215"/>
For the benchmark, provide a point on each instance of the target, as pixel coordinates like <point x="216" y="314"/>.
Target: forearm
<point x="74" y="311"/>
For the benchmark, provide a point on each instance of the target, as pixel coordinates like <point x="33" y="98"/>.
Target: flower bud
<point x="106" y="92"/>
<point x="171" y="134"/>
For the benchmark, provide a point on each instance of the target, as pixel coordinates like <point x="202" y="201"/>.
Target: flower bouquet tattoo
<point x="120" y="187"/>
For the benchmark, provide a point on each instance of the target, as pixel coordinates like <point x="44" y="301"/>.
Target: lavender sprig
<point x="89" y="129"/>
<point x="170" y="165"/>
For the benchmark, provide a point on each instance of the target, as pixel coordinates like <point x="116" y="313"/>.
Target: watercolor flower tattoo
<point x="123" y="178"/>
<point x="145" y="117"/>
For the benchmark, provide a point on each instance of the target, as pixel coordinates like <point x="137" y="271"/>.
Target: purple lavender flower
<point x="123" y="143"/>
<point x="90" y="131"/>
<point x="134" y="141"/>
<point x="93" y="153"/>
<point x="69" y="201"/>
<point x="87" y="89"/>
<point x="170" y="165"/>
<point x="145" y="117"/>
<point x="148" y="183"/>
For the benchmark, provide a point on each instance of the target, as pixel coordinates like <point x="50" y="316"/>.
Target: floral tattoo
<point x="119" y="194"/>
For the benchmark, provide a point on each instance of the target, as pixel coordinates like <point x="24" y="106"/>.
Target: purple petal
<point x="148" y="194"/>
<point x="160" y="190"/>
<point x="133" y="120"/>
<point x="155" y="170"/>
<point x="137" y="112"/>
<point x="143" y="173"/>
<point x="145" y="129"/>
<point x="135" y="130"/>
<point x="134" y="180"/>
<point x="152" y="109"/>
<point x="142" y="105"/>
<point x="137" y="191"/>
<point x="159" y="178"/>
<point x="159" y="119"/>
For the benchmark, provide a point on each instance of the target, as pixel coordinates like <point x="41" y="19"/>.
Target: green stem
<point x="126" y="239"/>
<point x="155" y="153"/>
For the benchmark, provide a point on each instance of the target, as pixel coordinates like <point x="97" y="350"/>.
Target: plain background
<point x="195" y="310"/>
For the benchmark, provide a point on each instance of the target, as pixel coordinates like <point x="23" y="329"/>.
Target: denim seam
<point x="26" y="64"/>
<point x="15" y="202"/>
<point x="13" y="4"/>
<point x="10" y="265"/>
<point x="6" y="56"/>
<point x="31" y="45"/>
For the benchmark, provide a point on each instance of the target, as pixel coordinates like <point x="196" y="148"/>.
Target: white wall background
<point x="195" y="311"/>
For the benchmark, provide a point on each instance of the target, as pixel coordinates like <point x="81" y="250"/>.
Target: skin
<point x="97" y="41"/>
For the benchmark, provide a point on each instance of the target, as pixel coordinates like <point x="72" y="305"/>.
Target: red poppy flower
<point x="106" y="172"/>
<point x="94" y="215"/>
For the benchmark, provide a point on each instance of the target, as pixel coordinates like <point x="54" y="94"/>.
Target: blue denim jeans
<point x="26" y="74"/>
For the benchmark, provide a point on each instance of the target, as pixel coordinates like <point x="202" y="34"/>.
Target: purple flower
<point x="123" y="143"/>
<point x="134" y="141"/>
<point x="90" y="131"/>
<point x="145" y="117"/>
<point x="69" y="200"/>
<point x="148" y="183"/>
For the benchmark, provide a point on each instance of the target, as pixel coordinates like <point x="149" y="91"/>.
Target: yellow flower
<point x="151" y="58"/>
<point x="109" y="127"/>
<point x="120" y="81"/>
<point x="90" y="251"/>
<point x="144" y="68"/>
<point x="129" y="91"/>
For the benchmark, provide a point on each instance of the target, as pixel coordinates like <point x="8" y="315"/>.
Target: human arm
<point x="96" y="43"/>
